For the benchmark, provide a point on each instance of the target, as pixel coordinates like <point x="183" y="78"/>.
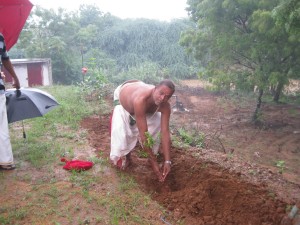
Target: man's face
<point x="162" y="94"/>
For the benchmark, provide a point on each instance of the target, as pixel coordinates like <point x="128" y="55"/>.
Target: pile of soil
<point x="205" y="186"/>
<point x="221" y="183"/>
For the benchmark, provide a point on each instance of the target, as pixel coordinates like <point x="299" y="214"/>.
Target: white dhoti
<point x="124" y="136"/>
<point x="6" y="155"/>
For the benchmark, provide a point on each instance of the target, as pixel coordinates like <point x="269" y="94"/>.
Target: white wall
<point x="45" y="72"/>
<point x="21" y="71"/>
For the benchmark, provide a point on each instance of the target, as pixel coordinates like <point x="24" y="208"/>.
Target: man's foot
<point x="124" y="162"/>
<point x="7" y="167"/>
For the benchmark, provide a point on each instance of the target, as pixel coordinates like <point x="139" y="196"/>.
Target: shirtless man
<point x="143" y="109"/>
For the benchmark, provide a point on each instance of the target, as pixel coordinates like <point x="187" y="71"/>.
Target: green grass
<point x="49" y="196"/>
<point x="45" y="136"/>
<point x="284" y="99"/>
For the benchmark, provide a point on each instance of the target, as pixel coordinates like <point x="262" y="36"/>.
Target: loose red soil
<point x="231" y="181"/>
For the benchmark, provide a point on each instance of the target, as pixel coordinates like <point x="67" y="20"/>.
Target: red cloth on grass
<point x="77" y="164"/>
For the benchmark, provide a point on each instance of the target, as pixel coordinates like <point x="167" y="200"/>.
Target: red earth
<point x="232" y="179"/>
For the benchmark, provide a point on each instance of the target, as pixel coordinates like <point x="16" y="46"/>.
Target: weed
<point x="86" y="195"/>
<point x="127" y="183"/>
<point x="288" y="208"/>
<point x="230" y="155"/>
<point x="185" y="136"/>
<point x="4" y="220"/>
<point x="98" y="160"/>
<point x="99" y="219"/>
<point x="280" y="164"/>
<point x="252" y="172"/>
<point x="272" y="195"/>
<point x="195" y="138"/>
<point x="142" y="154"/>
<point x="204" y="166"/>
<point x="177" y="142"/>
<point x="146" y="201"/>
<point x="81" y="179"/>
<point x="149" y="140"/>
<point x="117" y="211"/>
<point x="19" y="214"/>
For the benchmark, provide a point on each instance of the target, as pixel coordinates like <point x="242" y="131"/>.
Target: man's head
<point x="163" y="91"/>
<point x="168" y="83"/>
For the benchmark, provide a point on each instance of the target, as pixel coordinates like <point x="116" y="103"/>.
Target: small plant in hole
<point x="149" y="140"/>
<point x="280" y="164"/>
<point x="142" y="153"/>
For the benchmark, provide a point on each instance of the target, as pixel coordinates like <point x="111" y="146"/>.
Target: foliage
<point x="135" y="42"/>
<point x="95" y="82"/>
<point x="192" y="138"/>
<point x="117" y="46"/>
<point x="280" y="164"/>
<point x="242" y="42"/>
<point x="49" y="34"/>
<point x="142" y="153"/>
<point x="148" y="72"/>
<point x="149" y="140"/>
<point x="287" y="13"/>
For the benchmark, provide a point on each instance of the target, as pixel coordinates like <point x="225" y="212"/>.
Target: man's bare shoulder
<point x="136" y="85"/>
<point x="134" y="95"/>
<point x="136" y="89"/>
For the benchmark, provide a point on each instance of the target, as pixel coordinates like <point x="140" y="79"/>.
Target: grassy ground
<point x="39" y="191"/>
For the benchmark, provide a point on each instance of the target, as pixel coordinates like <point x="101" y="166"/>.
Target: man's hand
<point x="166" y="170"/>
<point x="156" y="170"/>
<point x="16" y="84"/>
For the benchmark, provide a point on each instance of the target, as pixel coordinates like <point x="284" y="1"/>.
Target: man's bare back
<point x="137" y="91"/>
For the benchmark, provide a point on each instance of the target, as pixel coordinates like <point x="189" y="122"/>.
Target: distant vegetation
<point x="240" y="44"/>
<point x="246" y="43"/>
<point x="118" y="49"/>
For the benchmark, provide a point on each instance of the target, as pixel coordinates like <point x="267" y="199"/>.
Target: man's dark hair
<point x="168" y="83"/>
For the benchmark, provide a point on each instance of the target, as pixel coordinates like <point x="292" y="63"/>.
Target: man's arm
<point x="165" y="138"/>
<point x="141" y="122"/>
<point x="8" y="66"/>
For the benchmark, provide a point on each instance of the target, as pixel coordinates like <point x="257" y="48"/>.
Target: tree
<point x="115" y="46"/>
<point x="288" y="14"/>
<point x="134" y="42"/>
<point x="241" y="37"/>
<point x="51" y="34"/>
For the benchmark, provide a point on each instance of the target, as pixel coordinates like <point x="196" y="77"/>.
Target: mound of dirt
<point x="207" y="187"/>
<point x="231" y="180"/>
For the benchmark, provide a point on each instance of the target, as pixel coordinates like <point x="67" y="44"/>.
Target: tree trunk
<point x="255" y="117"/>
<point x="278" y="92"/>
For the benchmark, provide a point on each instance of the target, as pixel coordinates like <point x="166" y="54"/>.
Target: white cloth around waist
<point x="124" y="136"/>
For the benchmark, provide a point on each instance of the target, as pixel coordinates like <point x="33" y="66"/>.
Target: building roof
<point x="36" y="60"/>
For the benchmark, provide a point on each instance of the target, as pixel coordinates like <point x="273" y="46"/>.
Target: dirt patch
<point x="227" y="124"/>
<point x="211" y="186"/>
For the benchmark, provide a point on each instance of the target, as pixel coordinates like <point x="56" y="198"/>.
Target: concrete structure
<point x="31" y="72"/>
